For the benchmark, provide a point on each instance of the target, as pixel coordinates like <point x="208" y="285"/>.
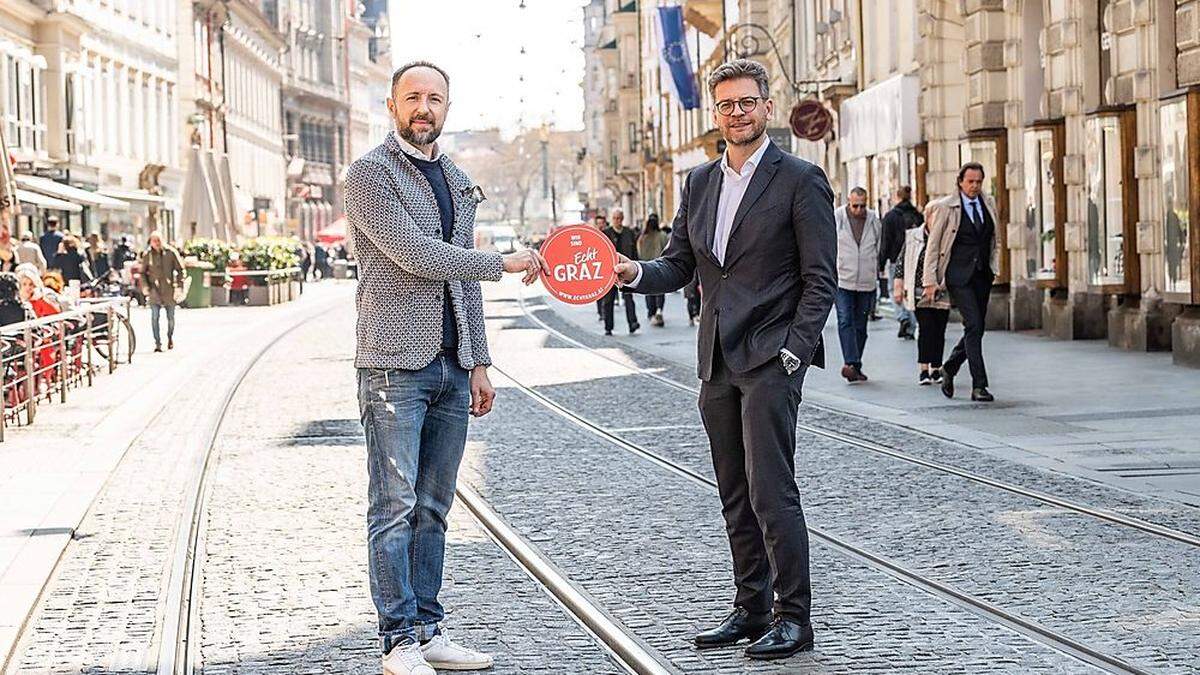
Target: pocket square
<point x="475" y="193"/>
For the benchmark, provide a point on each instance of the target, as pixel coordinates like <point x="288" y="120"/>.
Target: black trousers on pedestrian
<point x="655" y="304"/>
<point x="693" y="306"/>
<point x="751" y="423"/>
<point x="931" y="336"/>
<point x="626" y="299"/>
<point x="971" y="300"/>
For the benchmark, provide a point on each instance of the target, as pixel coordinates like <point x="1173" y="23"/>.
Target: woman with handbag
<point x="932" y="312"/>
<point x="162" y="281"/>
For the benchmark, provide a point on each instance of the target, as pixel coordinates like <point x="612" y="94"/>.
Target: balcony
<point x="706" y="16"/>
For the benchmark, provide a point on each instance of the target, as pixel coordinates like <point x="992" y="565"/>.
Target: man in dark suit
<point x="961" y="257"/>
<point x="758" y="227"/>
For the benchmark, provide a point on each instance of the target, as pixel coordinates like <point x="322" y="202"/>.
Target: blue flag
<point x="675" y="58"/>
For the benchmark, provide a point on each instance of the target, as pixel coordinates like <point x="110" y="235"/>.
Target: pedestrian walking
<point x="625" y="241"/>
<point x="162" y="276"/>
<point x="97" y="256"/>
<point x="858" y="236"/>
<point x="961" y="258"/>
<point x="692" y="294"/>
<point x="601" y="223"/>
<point x="9" y="256"/>
<point x="321" y="261"/>
<point x="422" y="360"/>
<point x="931" y="312"/>
<point x="50" y="239"/>
<point x="897" y="222"/>
<point x="71" y="263"/>
<point x="29" y="252"/>
<point x="769" y="276"/>
<point x="650" y="245"/>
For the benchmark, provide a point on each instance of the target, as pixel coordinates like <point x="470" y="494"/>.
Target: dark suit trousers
<point x="626" y="299"/>
<point x="751" y="423"/>
<point x="971" y="300"/>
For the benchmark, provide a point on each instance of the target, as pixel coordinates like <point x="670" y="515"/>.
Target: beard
<point x="420" y="138"/>
<point x="755" y="132"/>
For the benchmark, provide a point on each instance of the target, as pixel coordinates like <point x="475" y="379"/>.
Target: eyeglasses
<point x="747" y="104"/>
<point x="858" y="206"/>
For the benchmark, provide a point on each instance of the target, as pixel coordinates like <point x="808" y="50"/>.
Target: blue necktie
<point x="976" y="219"/>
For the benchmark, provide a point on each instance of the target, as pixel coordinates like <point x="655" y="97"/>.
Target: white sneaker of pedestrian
<point x="442" y="653"/>
<point x="407" y="660"/>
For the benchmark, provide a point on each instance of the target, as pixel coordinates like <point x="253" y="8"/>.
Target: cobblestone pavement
<point x="1125" y="592"/>
<point x="101" y="611"/>
<point x="1152" y="509"/>
<point x="284" y="572"/>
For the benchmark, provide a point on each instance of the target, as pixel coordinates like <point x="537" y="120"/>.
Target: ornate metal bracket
<point x="746" y="40"/>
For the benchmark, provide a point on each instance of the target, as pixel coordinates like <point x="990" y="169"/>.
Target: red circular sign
<point x="581" y="261"/>
<point x="811" y="120"/>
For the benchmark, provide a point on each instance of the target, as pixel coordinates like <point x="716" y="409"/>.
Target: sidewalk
<point x="1082" y="408"/>
<point x="52" y="472"/>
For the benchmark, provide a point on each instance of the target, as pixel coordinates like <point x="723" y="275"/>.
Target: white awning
<point x="46" y="202"/>
<point x="880" y="118"/>
<point x="134" y="196"/>
<point x="70" y="193"/>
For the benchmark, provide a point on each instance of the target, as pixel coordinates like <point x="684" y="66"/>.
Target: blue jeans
<point x="154" y="314"/>
<point x="416" y="427"/>
<point x="853" y="312"/>
<point x="902" y="313"/>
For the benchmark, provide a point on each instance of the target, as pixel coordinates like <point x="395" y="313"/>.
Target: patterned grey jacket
<point x="403" y="264"/>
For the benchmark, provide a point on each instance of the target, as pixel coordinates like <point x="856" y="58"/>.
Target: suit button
<point x="725" y="275"/>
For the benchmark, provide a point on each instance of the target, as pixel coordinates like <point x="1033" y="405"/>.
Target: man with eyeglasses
<point x="757" y="224"/>
<point x="859" y="232"/>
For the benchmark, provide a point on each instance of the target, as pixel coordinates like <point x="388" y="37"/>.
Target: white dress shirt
<point x="411" y="149"/>
<point x="733" y="189"/>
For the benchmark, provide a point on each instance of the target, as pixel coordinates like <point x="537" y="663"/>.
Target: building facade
<point x="1084" y="115"/>
<point x="370" y="77"/>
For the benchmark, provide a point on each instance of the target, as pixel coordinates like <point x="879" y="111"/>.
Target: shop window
<point x="1111" y="204"/>
<point x="1045" y="205"/>
<point x="1178" y="221"/>
<point x="991" y="150"/>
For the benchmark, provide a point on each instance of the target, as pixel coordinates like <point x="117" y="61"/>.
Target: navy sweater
<point x="441" y="191"/>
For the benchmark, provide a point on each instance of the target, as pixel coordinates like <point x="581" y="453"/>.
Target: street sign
<point x="581" y="261"/>
<point x="811" y="120"/>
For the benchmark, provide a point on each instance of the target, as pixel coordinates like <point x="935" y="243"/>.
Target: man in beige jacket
<point x="960" y="257"/>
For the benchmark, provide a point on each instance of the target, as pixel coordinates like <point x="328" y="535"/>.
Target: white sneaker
<point x="442" y="653"/>
<point x="407" y="660"/>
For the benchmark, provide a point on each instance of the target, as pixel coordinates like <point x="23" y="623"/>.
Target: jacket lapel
<point x="758" y="184"/>
<point x="414" y="175"/>
<point x="708" y="212"/>
<point x="460" y="188"/>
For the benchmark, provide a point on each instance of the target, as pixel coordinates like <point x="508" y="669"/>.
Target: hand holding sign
<point x="626" y="270"/>
<point x="528" y="261"/>
<point x="580" y="262"/>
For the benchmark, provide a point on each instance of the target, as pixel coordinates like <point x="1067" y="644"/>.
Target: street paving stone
<point x="284" y="572"/>
<point x="651" y="547"/>
<point x="1126" y="592"/>
<point x="1152" y="509"/>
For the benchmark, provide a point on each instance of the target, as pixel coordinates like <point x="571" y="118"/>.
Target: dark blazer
<point x="776" y="287"/>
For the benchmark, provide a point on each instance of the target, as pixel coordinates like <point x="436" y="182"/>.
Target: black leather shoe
<point x="982" y="395"/>
<point x="783" y="640"/>
<point x="738" y="626"/>
<point x="948" y="383"/>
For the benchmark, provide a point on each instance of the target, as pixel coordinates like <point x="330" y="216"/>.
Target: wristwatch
<point x="791" y="363"/>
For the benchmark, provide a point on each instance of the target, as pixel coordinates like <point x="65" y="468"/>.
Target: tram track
<point x="1106" y="515"/>
<point x="989" y="611"/>
<point x="179" y="640"/>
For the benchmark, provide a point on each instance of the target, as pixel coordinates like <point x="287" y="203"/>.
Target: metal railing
<point x="42" y="359"/>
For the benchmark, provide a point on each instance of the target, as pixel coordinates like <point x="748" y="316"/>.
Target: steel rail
<point x="978" y="606"/>
<point x="630" y="652"/>
<point x="181" y="624"/>
<point x="871" y="446"/>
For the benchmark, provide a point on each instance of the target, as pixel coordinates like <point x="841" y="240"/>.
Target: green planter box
<point x="200" y="292"/>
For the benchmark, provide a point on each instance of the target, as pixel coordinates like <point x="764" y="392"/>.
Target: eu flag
<point x="675" y="57"/>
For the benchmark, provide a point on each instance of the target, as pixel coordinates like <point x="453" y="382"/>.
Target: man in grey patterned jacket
<point x="422" y="360"/>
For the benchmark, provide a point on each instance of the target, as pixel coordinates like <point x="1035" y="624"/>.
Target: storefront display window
<point x="1043" y="182"/>
<point x="885" y="178"/>
<point x="1176" y="172"/>
<point x="991" y="151"/>
<point x="1105" y="212"/>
